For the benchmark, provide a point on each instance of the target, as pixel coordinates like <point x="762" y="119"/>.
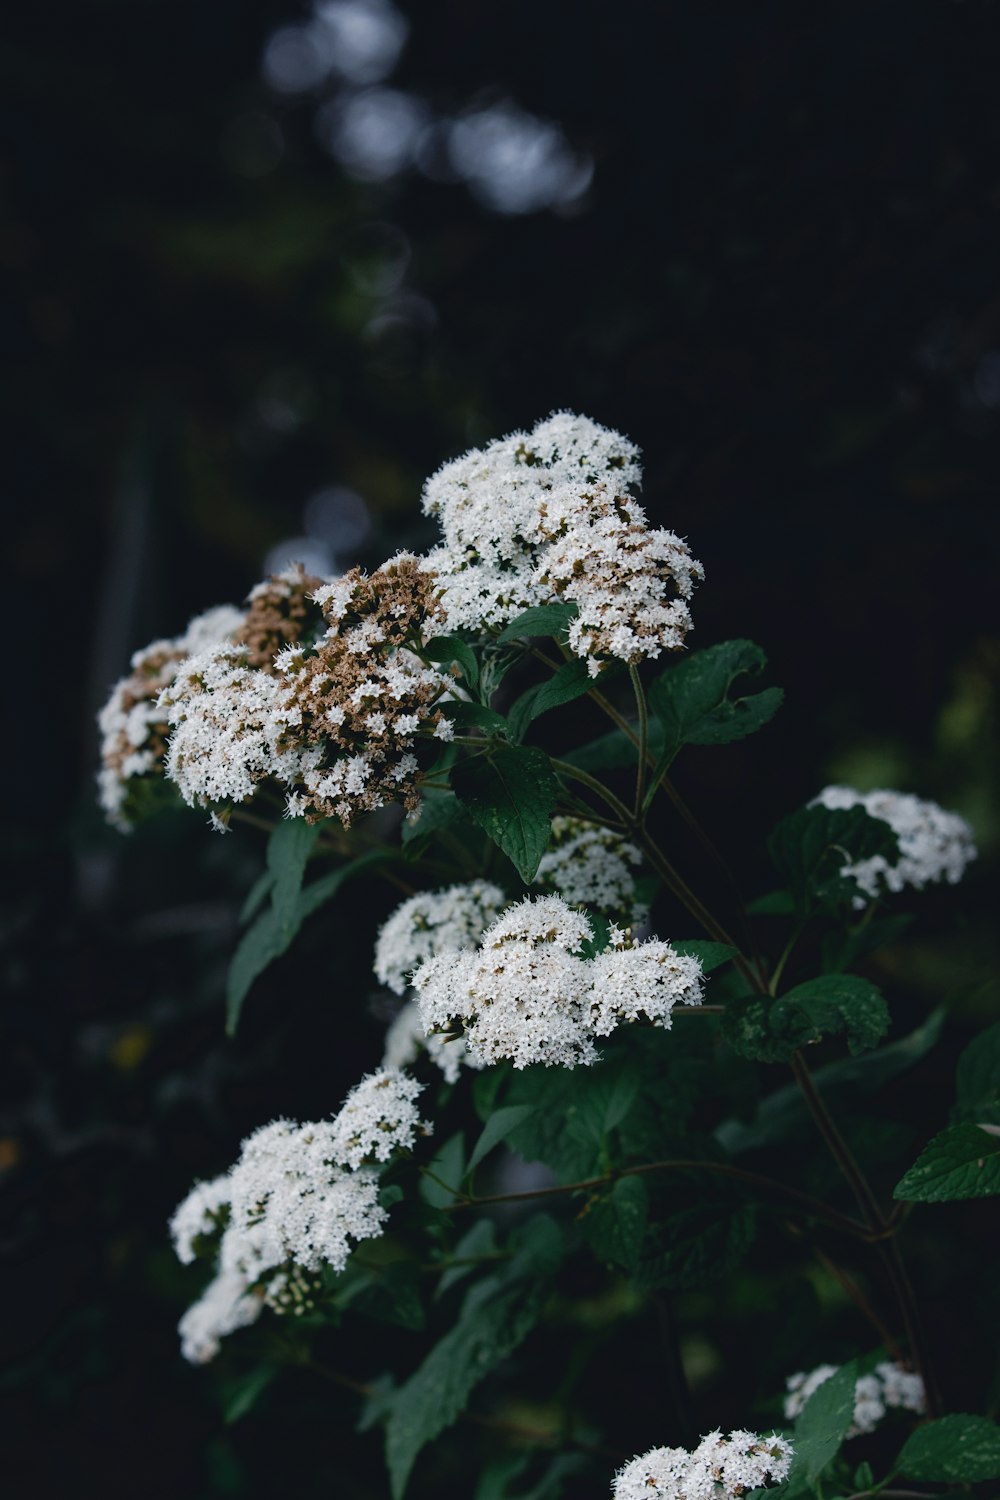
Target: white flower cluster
<point x="132" y="724"/>
<point x="592" y="866"/>
<point x="549" y="516"/>
<point x="719" y="1468"/>
<point x="298" y="1199"/>
<point x="934" y="844"/>
<point x="526" y="994"/>
<point x="886" y="1388"/>
<point x="432" y="923"/>
<point x="227" y="734"/>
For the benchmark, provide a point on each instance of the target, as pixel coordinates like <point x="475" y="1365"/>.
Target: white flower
<point x="198" y="1216"/>
<point x="226" y="1304"/>
<point x="888" y="1386"/>
<point x="934" y="844"/>
<point x="430" y="923"/>
<point x="550" y="515"/>
<point x="132" y="724"/>
<point x="379" y="1117"/>
<point x="719" y="1468"/>
<point x="526" y="993"/>
<point x="592" y="866"/>
<point x="226" y="727"/>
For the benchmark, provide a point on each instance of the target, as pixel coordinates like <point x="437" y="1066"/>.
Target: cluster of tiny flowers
<point x="526" y="994"/>
<point x="433" y="923"/>
<point x="132" y="724"/>
<point x="299" y="1198"/>
<point x="934" y="844"/>
<point x="888" y="1387"/>
<point x="378" y="1118"/>
<point x="226" y="731"/>
<point x="280" y="611"/>
<point x="352" y="707"/>
<point x="719" y="1468"/>
<point x="592" y="866"/>
<point x="548" y="516"/>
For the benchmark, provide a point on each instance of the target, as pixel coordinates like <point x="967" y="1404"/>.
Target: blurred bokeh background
<point x="268" y="264"/>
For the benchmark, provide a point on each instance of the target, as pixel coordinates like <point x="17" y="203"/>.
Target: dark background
<point x="781" y="281"/>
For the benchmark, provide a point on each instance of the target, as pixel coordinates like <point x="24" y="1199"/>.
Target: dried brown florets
<point x="280" y="612"/>
<point x="356" y="703"/>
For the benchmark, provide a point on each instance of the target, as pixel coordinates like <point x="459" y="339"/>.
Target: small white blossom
<point x="592" y="866"/>
<point x="720" y="1468"/>
<point x="226" y="1304"/>
<point x="887" y="1387"/>
<point x="934" y="844"/>
<point x="431" y="923"/>
<point x="378" y="1118"/>
<point x="198" y="1216"/>
<point x="526" y="993"/>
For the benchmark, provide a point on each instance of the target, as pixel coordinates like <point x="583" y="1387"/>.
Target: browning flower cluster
<point x="280" y="612"/>
<point x="354" y="705"/>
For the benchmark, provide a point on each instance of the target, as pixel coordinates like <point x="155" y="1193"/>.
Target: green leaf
<point x="475" y="716"/>
<point x="480" y="1240"/>
<point x="697" y="1244"/>
<point x="977" y="1078"/>
<point x="812" y="845"/>
<point x="436" y="810"/>
<point x="389" y="1293"/>
<point x="783" y="1114"/>
<point x="571" y="1114"/>
<point x="445" y="649"/>
<point x="770" y="1030"/>
<point x="692" y="702"/>
<point x="709" y="955"/>
<point x="843" y="950"/>
<point x="511" y="794"/>
<point x="498" y="1313"/>
<point x="256" y="896"/>
<point x="571" y="681"/>
<point x="288" y="849"/>
<point x="613" y="751"/>
<point x="823" y="1422"/>
<point x="246" y="1393"/>
<point x="780" y="903"/>
<point x="448" y="1165"/>
<point x="266" y="940"/>
<point x="614" y="1223"/>
<point x="958" y="1449"/>
<point x="498" y="1127"/>
<point x="962" y="1162"/>
<point x="544" y="619"/>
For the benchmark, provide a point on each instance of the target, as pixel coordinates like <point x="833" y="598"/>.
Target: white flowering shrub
<point x="594" y="1092"/>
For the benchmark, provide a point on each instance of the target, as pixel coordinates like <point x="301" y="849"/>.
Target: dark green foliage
<point x="288" y="850"/>
<point x="511" y="794"/>
<point x="499" y="1311"/>
<point x="957" y="1449"/>
<point x="962" y="1162"/>
<point x="770" y="1029"/>
<point x="823" y="1422"/>
<point x="709" y="955"/>
<point x="811" y="847"/>
<point x="571" y="681"/>
<point x="271" y="936"/>
<point x="693" y="704"/>
<point x="613" y="1222"/>
<point x="977" y="1079"/>
<point x="698" y="1244"/>
<point x="445" y="649"/>
<point x="544" y="619"/>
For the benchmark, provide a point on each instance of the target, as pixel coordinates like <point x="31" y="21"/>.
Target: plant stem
<point x="640" y="772"/>
<point x="879" y="1230"/>
<point x="861" y="1302"/>
<point x="812" y="1207"/>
